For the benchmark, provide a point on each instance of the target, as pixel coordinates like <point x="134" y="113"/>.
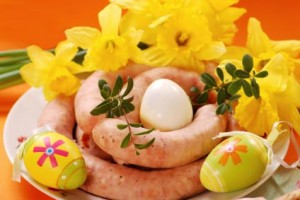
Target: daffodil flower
<point x="53" y="72"/>
<point x="262" y="48"/>
<point x="107" y="50"/>
<point x="280" y="98"/>
<point x="185" y="41"/>
<point x="150" y="13"/>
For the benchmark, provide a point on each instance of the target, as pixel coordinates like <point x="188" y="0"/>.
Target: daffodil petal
<point x="75" y="68"/>
<point x="291" y="94"/>
<point x="291" y="47"/>
<point x="109" y="19"/>
<point x="278" y="73"/>
<point x="256" y="115"/>
<point x="234" y="52"/>
<point x="61" y="82"/>
<point x="135" y="5"/>
<point x="32" y="76"/>
<point x="83" y="37"/>
<point x="257" y="42"/>
<point x="157" y="57"/>
<point x="231" y="14"/>
<point x="290" y="114"/>
<point x="221" y="4"/>
<point x="65" y="52"/>
<point x="211" y="51"/>
<point x="133" y="37"/>
<point x="39" y="56"/>
<point x="296" y="70"/>
<point x="109" y="54"/>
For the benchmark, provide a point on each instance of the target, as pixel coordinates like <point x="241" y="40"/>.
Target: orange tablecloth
<point x="26" y="22"/>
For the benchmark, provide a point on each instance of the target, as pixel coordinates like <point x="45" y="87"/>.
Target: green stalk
<point x="10" y="83"/>
<point x="20" y="59"/>
<point x="9" y="68"/>
<point x="13" y="53"/>
<point x="10" y="78"/>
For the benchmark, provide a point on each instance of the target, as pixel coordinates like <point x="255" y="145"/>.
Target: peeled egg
<point x="236" y="163"/>
<point x="165" y="106"/>
<point x="55" y="161"/>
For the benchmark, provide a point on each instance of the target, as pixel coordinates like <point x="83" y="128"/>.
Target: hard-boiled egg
<point x="165" y="106"/>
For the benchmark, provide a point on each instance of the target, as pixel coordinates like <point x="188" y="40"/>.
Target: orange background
<point x="26" y="22"/>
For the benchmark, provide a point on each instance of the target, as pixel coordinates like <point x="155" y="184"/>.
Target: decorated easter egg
<point x="54" y="161"/>
<point x="165" y="106"/>
<point x="235" y="163"/>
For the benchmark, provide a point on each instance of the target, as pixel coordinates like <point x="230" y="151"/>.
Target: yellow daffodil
<point x="280" y="98"/>
<point x="262" y="48"/>
<point x="221" y="17"/>
<point x="184" y="40"/>
<point x="148" y="13"/>
<point x="107" y="50"/>
<point x="52" y="72"/>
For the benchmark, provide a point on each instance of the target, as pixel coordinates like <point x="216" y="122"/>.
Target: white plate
<point x="22" y="119"/>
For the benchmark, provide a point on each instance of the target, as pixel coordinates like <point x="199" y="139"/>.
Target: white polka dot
<point x="75" y="163"/>
<point x="63" y="177"/>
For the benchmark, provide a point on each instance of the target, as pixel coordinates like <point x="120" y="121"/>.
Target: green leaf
<point x="136" y="125"/>
<point x="144" y="146"/>
<point x="247" y="88"/>
<point x="118" y="86"/>
<point x="202" y="98"/>
<point x="221" y="96"/>
<point x="247" y="63"/>
<point x="129" y="87"/>
<point x="194" y="90"/>
<point x="125" y="141"/>
<point x="102" y="108"/>
<point x="145" y="132"/>
<point x="129" y="99"/>
<point x="234" y="97"/>
<point x="128" y="107"/>
<point x="122" y="126"/>
<point x="230" y="68"/>
<point x="208" y="80"/>
<point x="261" y="74"/>
<point x="234" y="86"/>
<point x="255" y="88"/>
<point x="241" y="74"/>
<point x="105" y="91"/>
<point x="228" y="107"/>
<point x="221" y="109"/>
<point x="220" y="74"/>
<point x="101" y="83"/>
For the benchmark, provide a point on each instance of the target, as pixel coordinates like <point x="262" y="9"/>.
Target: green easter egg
<point x="235" y="163"/>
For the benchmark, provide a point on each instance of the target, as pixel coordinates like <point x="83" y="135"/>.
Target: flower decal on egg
<point x="230" y="148"/>
<point x="50" y="151"/>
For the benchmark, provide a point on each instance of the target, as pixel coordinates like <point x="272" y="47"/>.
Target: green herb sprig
<point x="227" y="90"/>
<point x="116" y="104"/>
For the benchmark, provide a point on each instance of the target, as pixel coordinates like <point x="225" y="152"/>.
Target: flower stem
<point x="20" y="59"/>
<point x="10" y="78"/>
<point x="13" y="53"/>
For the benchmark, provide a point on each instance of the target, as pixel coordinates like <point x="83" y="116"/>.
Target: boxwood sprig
<point x="116" y="104"/>
<point x="227" y="90"/>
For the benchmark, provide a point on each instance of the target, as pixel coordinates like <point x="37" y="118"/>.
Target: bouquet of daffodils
<point x="179" y="33"/>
